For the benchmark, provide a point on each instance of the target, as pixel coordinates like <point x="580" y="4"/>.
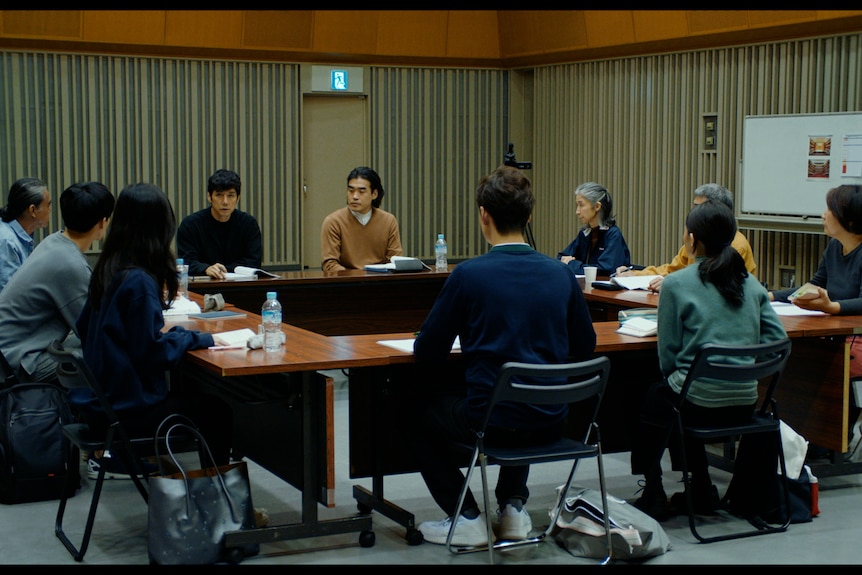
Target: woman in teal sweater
<point x="713" y="301"/>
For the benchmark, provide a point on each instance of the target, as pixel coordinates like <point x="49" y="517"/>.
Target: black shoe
<point x="704" y="502"/>
<point x="655" y="506"/>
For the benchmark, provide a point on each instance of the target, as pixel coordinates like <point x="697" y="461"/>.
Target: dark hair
<point x="594" y="193"/>
<point x="373" y="179"/>
<point x="140" y="235"/>
<point x="24" y="193"/>
<point x="85" y="204"/>
<point x="713" y="225"/>
<point x="845" y="203"/>
<point x="507" y="196"/>
<point x="222" y="180"/>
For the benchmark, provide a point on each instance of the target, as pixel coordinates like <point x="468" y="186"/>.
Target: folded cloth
<point x="213" y="302"/>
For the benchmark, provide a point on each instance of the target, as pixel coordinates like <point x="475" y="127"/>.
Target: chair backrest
<point x="769" y="360"/>
<point x="73" y="371"/>
<point x="527" y="383"/>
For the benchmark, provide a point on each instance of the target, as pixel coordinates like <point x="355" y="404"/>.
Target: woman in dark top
<point x="600" y="242"/>
<point x="121" y="326"/>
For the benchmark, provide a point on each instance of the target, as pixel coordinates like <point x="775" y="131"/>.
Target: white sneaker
<point x="511" y="524"/>
<point x="468" y="532"/>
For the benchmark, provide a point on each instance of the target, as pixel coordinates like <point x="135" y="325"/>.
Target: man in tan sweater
<point x="360" y="233"/>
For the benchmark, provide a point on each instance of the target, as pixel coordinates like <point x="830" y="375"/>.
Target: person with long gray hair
<point x="599" y="242"/>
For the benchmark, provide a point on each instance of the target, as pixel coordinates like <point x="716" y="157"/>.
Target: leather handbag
<point x="191" y="510"/>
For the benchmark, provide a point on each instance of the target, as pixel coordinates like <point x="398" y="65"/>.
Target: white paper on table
<point x="634" y="282"/>
<point x="406" y="345"/>
<point x="181" y="306"/>
<point x="788" y="309"/>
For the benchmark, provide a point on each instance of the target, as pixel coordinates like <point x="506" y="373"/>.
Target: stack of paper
<point x="407" y="344"/>
<point x="246" y="273"/>
<point x="638" y="327"/>
<point x="634" y="282"/>
<point x="235" y="337"/>
<point x="181" y="306"/>
<point x="397" y="264"/>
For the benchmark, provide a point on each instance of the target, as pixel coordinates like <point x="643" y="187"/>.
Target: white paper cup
<point x="590" y="275"/>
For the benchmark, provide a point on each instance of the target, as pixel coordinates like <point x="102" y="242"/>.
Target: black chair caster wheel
<point x="414" y="537"/>
<point x="235" y="555"/>
<point x="366" y="539"/>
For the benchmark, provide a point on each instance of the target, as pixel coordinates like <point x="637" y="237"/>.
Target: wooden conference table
<point x="814" y="396"/>
<point x="340" y="303"/>
<point x="283" y="417"/>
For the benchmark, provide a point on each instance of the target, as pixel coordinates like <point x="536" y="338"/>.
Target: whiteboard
<point x="791" y="161"/>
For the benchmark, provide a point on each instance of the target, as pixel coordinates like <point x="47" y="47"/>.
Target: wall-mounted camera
<point x="509" y="160"/>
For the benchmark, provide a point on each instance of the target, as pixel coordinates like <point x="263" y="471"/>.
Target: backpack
<point x="35" y="456"/>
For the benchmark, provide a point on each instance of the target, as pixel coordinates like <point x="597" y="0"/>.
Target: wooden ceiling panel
<point x="43" y="23"/>
<point x="412" y="32"/>
<point x="203" y="28"/>
<point x="287" y="29"/>
<point x="125" y="26"/>
<point x="473" y="34"/>
<point x="345" y="31"/>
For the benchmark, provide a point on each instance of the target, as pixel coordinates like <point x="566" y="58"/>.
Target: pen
<point x="225" y="347"/>
<point x="628" y="269"/>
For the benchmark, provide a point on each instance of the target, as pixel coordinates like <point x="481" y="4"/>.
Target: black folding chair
<point x="711" y="361"/>
<point x="526" y="383"/>
<point x="72" y="372"/>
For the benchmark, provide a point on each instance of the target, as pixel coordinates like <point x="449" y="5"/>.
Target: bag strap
<point x="217" y="472"/>
<point x="174" y="417"/>
<point x="11" y="377"/>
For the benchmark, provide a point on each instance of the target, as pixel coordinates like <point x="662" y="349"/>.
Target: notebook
<point x="398" y="264"/>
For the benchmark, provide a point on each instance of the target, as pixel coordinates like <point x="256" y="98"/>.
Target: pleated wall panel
<point x="435" y="133"/>
<point x="119" y="120"/>
<point x="636" y="126"/>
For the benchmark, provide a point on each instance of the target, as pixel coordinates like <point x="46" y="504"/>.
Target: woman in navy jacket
<point x="122" y="326"/>
<point x="599" y="242"/>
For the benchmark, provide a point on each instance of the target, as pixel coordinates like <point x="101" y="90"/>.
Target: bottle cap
<point x="270" y="295"/>
<point x="180" y="261"/>
<point x="440" y="236"/>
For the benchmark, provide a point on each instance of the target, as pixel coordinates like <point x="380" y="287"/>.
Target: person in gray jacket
<point x="44" y="297"/>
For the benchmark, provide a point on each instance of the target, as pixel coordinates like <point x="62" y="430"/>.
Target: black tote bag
<point x="190" y="511"/>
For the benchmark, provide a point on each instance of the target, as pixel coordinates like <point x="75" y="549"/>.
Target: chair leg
<point x="460" y="505"/>
<point x="78" y="552"/>
<point x="610" y="556"/>
<point x="759" y="530"/>
<point x="133" y="465"/>
<point x="484" y="467"/>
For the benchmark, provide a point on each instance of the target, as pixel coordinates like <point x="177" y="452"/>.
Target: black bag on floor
<point x="34" y="453"/>
<point x="756" y="490"/>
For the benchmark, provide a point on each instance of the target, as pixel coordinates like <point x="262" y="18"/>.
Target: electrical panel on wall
<point x="710" y="132"/>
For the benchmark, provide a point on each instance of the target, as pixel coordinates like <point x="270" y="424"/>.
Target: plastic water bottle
<point x="183" y="273"/>
<point x="271" y="314"/>
<point x="441" y="250"/>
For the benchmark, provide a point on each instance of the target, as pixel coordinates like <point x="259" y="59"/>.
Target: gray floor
<point x="119" y="535"/>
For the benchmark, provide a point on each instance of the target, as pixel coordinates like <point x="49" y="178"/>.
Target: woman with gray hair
<point x="599" y="242"/>
<point x="27" y="209"/>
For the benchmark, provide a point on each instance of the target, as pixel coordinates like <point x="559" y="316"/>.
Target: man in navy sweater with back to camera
<point x="510" y="304"/>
